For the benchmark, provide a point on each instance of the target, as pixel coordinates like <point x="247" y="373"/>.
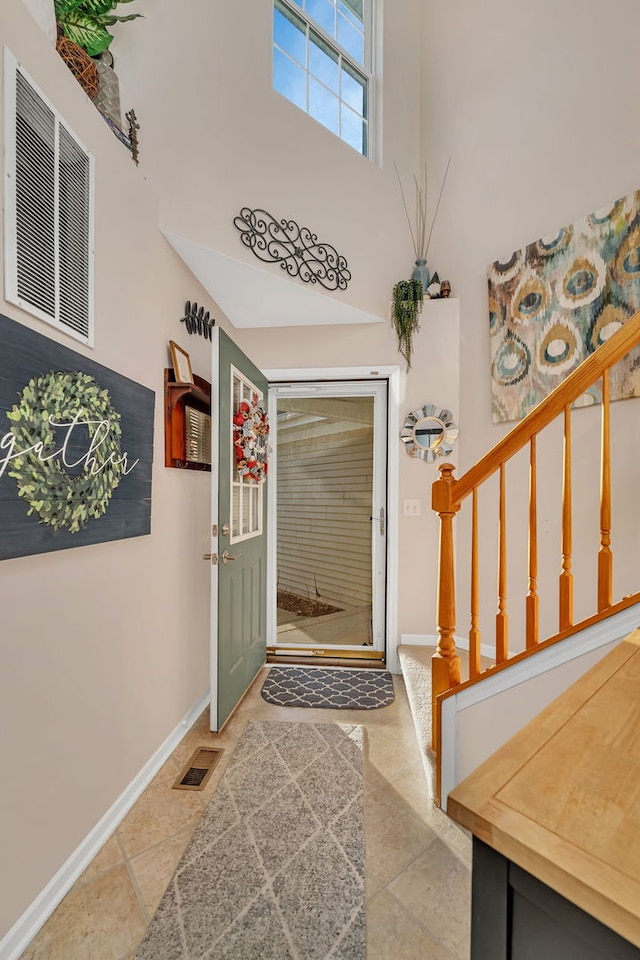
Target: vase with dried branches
<point x="408" y="295"/>
<point x="420" y="238"/>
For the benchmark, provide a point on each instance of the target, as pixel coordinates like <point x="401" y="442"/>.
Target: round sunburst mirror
<point x="429" y="433"/>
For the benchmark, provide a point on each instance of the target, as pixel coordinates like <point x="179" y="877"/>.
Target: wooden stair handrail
<point x="583" y="377"/>
<point x="447" y="496"/>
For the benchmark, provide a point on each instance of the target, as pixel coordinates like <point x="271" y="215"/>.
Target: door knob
<point x="226" y="529"/>
<point x="225" y="556"/>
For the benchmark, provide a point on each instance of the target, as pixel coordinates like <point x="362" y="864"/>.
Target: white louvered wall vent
<point x="48" y="203"/>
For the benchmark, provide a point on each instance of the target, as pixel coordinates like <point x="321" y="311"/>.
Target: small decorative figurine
<point x="445" y="289"/>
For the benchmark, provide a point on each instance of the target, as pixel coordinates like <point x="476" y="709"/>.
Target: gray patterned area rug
<point x="336" y="688"/>
<point x="275" y="868"/>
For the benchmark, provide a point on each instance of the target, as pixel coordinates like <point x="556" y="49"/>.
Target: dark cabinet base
<point x="516" y="917"/>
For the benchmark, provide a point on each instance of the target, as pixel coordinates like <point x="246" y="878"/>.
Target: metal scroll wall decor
<point x="197" y="321"/>
<point x="295" y="248"/>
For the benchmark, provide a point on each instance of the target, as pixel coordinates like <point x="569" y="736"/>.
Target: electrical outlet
<point x="411" y="508"/>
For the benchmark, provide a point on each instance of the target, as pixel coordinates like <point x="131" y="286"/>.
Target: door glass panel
<point x="246" y="492"/>
<point x="254" y="492"/>
<point x="235" y="518"/>
<point x="246" y="525"/>
<point x="325" y="453"/>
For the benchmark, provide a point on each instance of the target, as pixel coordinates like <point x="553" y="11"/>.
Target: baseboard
<point x="430" y="640"/>
<point x="24" y="930"/>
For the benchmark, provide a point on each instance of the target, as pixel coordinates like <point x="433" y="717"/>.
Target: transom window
<point x="322" y="63"/>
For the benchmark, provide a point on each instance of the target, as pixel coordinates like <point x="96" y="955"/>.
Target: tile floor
<point x="418" y="861"/>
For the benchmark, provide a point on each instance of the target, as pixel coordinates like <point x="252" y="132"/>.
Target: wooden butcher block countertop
<point x="562" y="798"/>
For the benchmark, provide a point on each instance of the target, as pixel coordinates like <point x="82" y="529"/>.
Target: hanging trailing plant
<point x="405" y="313"/>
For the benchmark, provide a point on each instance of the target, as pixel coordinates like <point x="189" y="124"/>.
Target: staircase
<point x="450" y="493"/>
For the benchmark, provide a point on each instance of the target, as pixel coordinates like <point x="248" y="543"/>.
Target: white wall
<point x="532" y="108"/>
<point x="95" y="669"/>
<point x="533" y="103"/>
<point x="215" y="137"/>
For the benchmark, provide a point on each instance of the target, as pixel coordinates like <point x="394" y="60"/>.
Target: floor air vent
<point x="198" y="770"/>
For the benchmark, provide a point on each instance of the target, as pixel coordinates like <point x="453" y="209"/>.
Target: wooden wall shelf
<point x="177" y="397"/>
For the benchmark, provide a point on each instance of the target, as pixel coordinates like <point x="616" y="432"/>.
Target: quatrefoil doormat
<point x="337" y="688"/>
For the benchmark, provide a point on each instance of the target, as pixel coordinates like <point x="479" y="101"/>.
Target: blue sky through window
<point x="321" y="78"/>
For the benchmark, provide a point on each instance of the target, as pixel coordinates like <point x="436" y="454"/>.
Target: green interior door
<point x="239" y="523"/>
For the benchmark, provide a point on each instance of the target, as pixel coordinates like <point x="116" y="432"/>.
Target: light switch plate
<point x="411" y="508"/>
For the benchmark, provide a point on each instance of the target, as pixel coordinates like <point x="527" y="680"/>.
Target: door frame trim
<point x="392" y="375"/>
<point x="213" y="541"/>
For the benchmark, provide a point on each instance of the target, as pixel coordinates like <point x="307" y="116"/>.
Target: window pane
<point x="352" y="9"/>
<point x="353" y="129"/>
<point x="351" y="39"/>
<point x="289" y="33"/>
<point x="289" y="79"/>
<point x="323" y="62"/>
<point x="323" y="105"/>
<point x="353" y="90"/>
<point x="324" y="13"/>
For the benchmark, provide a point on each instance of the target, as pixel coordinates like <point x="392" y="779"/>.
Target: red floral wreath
<point x="250" y="440"/>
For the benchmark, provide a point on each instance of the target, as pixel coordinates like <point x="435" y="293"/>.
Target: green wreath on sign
<point x="75" y="401"/>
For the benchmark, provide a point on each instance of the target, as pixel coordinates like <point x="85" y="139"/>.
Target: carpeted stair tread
<point x="415" y="663"/>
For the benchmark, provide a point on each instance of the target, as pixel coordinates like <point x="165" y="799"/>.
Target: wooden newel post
<point x="445" y="663"/>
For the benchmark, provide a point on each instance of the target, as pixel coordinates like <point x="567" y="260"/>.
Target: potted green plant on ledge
<point x="83" y="43"/>
<point x="85" y="22"/>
